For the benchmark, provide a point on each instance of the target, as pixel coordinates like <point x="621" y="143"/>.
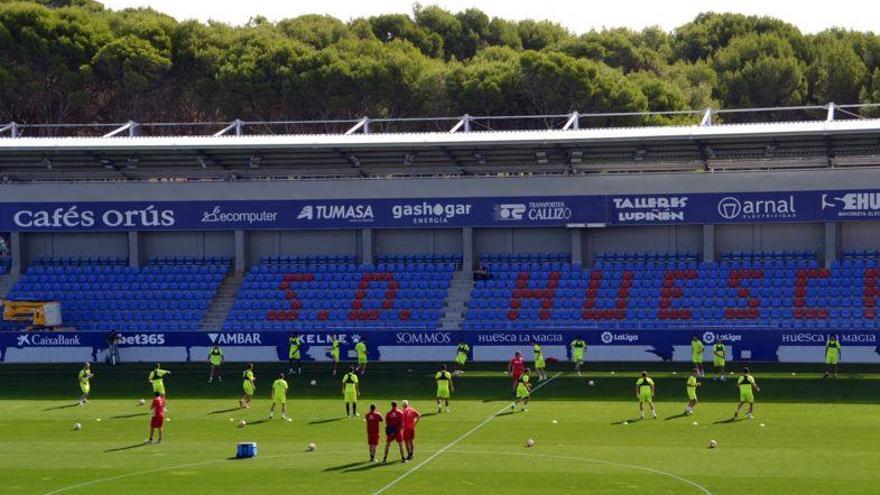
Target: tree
<point x="759" y="70"/>
<point x="710" y="32"/>
<point x="402" y="27"/>
<point x="837" y="73"/>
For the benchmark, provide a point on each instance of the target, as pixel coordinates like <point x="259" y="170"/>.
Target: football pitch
<point x="809" y="435"/>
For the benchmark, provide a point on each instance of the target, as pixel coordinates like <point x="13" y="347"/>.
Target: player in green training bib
<point x="578" y="346"/>
<point x="645" y="393"/>
<point x="718" y="360"/>
<point x="350" y="391"/>
<point x="294" y="353"/>
<point x="697" y="349"/>
<point x="361" y="350"/>
<point x="334" y="352"/>
<point x="215" y="361"/>
<point x="443" y="378"/>
<point x="747" y="388"/>
<point x="461" y="357"/>
<point x="279" y="396"/>
<point x="83" y="377"/>
<point x="832" y="356"/>
<point x="249" y="385"/>
<point x="156" y="379"/>
<point x="692" y="384"/>
<point x="523" y="391"/>
<point x="540" y="363"/>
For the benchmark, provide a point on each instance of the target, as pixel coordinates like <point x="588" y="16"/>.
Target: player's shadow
<point x="728" y="421"/>
<point x="627" y="421"/>
<point x="323" y="421"/>
<point x="221" y="411"/>
<point x="345" y="466"/>
<point x="127" y="416"/>
<point x="428" y="415"/>
<point x="510" y="412"/>
<point x="128" y="447"/>
<point x="369" y="466"/>
<point x="676" y="416"/>
<point x="257" y="422"/>
<point x="64" y="406"/>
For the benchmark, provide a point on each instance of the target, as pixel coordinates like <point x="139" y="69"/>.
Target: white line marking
<point x="694" y="484"/>
<point x="179" y="466"/>
<point x="457" y="440"/>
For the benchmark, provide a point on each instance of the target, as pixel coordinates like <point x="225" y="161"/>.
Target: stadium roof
<point x="491" y="145"/>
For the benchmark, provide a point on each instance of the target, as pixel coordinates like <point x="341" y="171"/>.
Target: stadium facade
<point x="251" y="192"/>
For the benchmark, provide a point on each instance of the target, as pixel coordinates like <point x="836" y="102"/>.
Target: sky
<point x="577" y="15"/>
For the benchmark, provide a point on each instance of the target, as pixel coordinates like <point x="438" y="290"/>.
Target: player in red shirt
<point x="373" y="418"/>
<point x="410" y="418"/>
<point x="515" y="369"/>
<point x="394" y="430"/>
<point x="157" y="422"/>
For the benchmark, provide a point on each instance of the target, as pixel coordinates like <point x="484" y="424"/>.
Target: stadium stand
<point x="785" y="289"/>
<point x="5" y="263"/>
<point x="285" y="293"/>
<point x="105" y="294"/>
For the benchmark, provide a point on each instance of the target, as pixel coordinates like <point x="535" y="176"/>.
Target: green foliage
<point x="73" y="60"/>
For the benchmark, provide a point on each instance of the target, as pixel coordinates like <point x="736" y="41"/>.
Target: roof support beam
<point x="573" y="122"/>
<point x="829" y="117"/>
<point x="130" y="126"/>
<point x="454" y="159"/>
<point x="236" y="126"/>
<point x="364" y="124"/>
<point x="12" y="127"/>
<point x="464" y="124"/>
<point x="707" y="118"/>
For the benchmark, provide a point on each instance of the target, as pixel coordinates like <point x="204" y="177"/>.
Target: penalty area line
<point x="457" y="440"/>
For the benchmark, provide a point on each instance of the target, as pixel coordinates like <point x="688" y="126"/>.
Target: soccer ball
<point x="141" y="402"/>
<point x="311" y="447"/>
<point x="712" y="444"/>
<point x="242" y="424"/>
<point x="530" y="443"/>
<point x="77" y="426"/>
<point x="591" y="383"/>
<point x="313" y="382"/>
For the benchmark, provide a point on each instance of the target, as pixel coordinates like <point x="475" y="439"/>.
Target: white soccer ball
<point x="242" y="424"/>
<point x="98" y="420"/>
<point x="612" y="372"/>
<point x="674" y="372"/>
<point x="555" y="421"/>
<point x="626" y="422"/>
<point x="313" y="382"/>
<point x="591" y="383"/>
<point x="763" y="425"/>
<point x="695" y="423"/>
<point x="712" y="444"/>
<point x="530" y="443"/>
<point x="141" y="402"/>
<point x="77" y="426"/>
<point x="311" y="447"/>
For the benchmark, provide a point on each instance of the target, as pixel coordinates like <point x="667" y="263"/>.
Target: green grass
<point x="819" y="436"/>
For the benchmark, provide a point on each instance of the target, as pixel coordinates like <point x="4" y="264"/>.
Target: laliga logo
<point x="510" y="211"/>
<point x="729" y="208"/>
<point x="709" y="337"/>
<point x="606" y="337"/>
